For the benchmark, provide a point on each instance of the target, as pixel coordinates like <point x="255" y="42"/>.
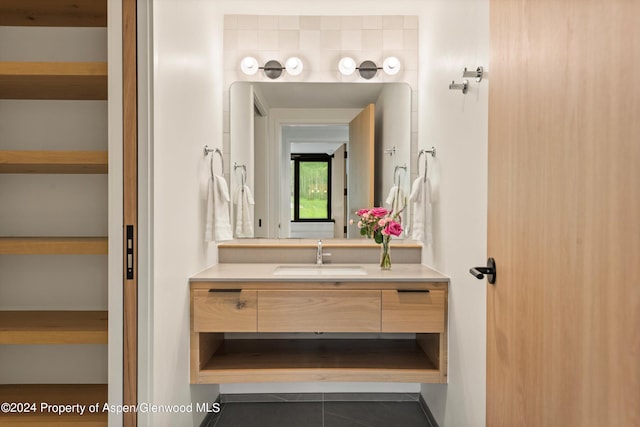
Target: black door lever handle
<point x="489" y="270"/>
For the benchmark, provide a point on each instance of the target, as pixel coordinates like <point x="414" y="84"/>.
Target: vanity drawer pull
<point x="426" y="291"/>
<point x="224" y="290"/>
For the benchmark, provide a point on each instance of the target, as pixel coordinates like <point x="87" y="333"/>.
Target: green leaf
<point x="378" y="237"/>
<point x="363" y="232"/>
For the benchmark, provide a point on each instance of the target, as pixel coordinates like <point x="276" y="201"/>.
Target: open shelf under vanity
<point x="316" y="360"/>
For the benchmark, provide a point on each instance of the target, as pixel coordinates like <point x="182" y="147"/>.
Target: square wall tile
<point x="393" y="22"/>
<point x="330" y="22"/>
<point x="351" y="40"/>
<point x="392" y="39"/>
<point x="331" y="39"/>
<point x="268" y="22"/>
<point x="411" y="22"/>
<point x="247" y="40"/>
<point x="230" y="22"/>
<point x="268" y="40"/>
<point x="310" y="22"/>
<point x="351" y="23"/>
<point x="410" y="40"/>
<point x="247" y="22"/>
<point x="230" y="40"/>
<point x="289" y="22"/>
<point x="372" y="22"/>
<point x="371" y="39"/>
<point x="289" y="40"/>
<point x="310" y="41"/>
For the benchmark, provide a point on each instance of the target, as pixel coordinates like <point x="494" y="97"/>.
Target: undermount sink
<point x="319" y="270"/>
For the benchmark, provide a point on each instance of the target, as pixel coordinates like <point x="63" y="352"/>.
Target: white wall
<point x="456" y="35"/>
<point x="188" y="109"/>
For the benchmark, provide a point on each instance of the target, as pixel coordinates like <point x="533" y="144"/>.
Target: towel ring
<point x="426" y="163"/>
<point x="243" y="173"/>
<point x="208" y="150"/>
<point x="397" y="175"/>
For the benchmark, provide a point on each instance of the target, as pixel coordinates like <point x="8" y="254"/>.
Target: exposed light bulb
<point x="294" y="66"/>
<point x="249" y="65"/>
<point x="391" y="65"/>
<point x="347" y="66"/>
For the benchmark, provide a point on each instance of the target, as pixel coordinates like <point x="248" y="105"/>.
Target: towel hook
<point x="208" y="150"/>
<point x="426" y="163"/>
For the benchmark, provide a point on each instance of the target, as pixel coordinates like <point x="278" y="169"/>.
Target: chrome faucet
<point x="319" y="253"/>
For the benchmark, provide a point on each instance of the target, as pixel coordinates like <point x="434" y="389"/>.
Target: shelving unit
<point x="53" y="80"/>
<point x="73" y="81"/>
<point x="53" y="245"/>
<point x="53" y="327"/>
<point x="54" y="13"/>
<point x="63" y="162"/>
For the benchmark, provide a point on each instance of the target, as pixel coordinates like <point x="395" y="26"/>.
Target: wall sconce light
<point x="272" y="69"/>
<point x="368" y="69"/>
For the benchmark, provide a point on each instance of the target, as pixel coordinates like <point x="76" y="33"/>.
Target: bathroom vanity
<point x="304" y="322"/>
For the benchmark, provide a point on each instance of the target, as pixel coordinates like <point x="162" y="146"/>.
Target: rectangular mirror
<point x="311" y="154"/>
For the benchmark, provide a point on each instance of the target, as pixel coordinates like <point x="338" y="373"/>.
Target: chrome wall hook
<point x="477" y="74"/>
<point x="459" y="86"/>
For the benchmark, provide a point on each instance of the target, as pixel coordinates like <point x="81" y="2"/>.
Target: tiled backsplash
<point x="320" y="41"/>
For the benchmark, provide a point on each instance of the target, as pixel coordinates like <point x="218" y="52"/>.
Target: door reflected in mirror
<point x="317" y="152"/>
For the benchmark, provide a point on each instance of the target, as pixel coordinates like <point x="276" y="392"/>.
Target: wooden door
<point x="563" y="319"/>
<point x="360" y="161"/>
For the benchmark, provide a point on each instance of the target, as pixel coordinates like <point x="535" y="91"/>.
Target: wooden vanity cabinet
<point x="225" y="310"/>
<point x="414" y="312"/>
<point x="319" y="311"/>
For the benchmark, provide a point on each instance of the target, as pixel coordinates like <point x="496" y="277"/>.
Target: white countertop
<point x="265" y="273"/>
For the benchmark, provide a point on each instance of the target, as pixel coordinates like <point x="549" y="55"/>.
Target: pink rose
<point x="379" y="212"/>
<point x="361" y="212"/>
<point x="382" y="222"/>
<point x="359" y="224"/>
<point x="393" y="228"/>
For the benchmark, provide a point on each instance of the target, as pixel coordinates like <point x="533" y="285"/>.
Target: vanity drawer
<point x="319" y="311"/>
<point x="413" y="311"/>
<point x="224" y="310"/>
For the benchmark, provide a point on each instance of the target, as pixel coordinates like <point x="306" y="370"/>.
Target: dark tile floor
<point x="320" y="414"/>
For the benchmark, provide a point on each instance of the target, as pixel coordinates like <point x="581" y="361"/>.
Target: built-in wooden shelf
<point x="53" y="80"/>
<point x="64" y="162"/>
<point x="54" y="13"/>
<point x="53" y="245"/>
<point x="60" y="394"/>
<point x="53" y="327"/>
<point x="353" y="360"/>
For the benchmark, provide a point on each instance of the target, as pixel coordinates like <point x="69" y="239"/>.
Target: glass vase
<point x="385" y="256"/>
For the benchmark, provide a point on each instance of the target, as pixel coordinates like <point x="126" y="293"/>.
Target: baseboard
<point x="427" y="412"/>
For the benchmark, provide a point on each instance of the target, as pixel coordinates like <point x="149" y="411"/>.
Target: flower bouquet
<point x="380" y="224"/>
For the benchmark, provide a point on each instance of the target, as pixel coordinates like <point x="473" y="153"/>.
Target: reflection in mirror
<point x="316" y="152"/>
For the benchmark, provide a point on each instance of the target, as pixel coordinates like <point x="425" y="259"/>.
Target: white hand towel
<point x="421" y="227"/>
<point x="244" y="200"/>
<point x="396" y="200"/>
<point x="218" y="226"/>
